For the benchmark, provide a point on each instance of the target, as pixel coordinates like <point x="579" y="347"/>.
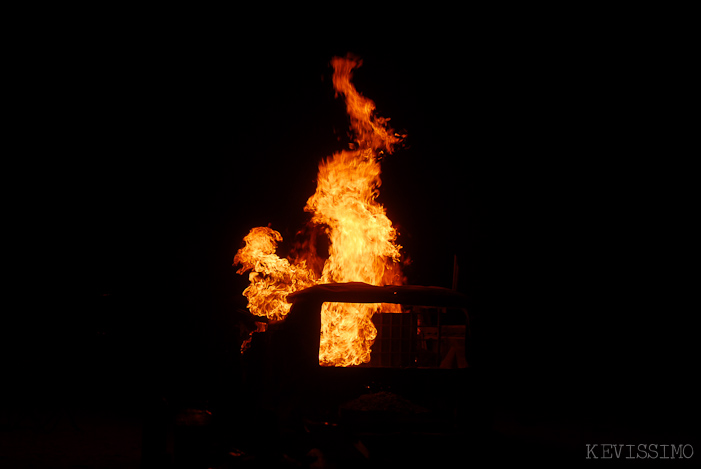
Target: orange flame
<point x="271" y="277"/>
<point x="362" y="239"/>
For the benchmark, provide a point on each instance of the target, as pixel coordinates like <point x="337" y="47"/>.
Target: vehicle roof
<point x="358" y="292"/>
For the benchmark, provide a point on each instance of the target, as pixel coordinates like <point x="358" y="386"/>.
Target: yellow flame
<point x="362" y="239"/>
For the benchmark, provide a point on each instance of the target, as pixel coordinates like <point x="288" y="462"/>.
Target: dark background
<point x="549" y="163"/>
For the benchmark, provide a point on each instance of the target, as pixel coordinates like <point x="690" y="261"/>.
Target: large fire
<point x="362" y="239"/>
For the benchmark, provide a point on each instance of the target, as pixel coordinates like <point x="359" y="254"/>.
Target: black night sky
<point x="541" y="163"/>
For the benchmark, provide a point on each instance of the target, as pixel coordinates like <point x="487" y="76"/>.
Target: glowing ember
<point x="362" y="240"/>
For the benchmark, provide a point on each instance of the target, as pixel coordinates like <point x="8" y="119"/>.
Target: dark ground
<point x="551" y="163"/>
<point x="101" y="436"/>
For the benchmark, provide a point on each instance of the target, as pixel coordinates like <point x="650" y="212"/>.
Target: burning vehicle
<point x="284" y="359"/>
<point x="322" y="311"/>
